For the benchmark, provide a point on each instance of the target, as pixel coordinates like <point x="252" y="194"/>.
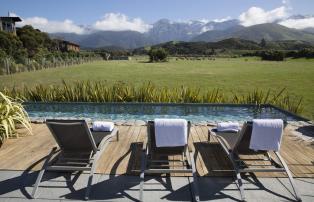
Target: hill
<point x="124" y="39"/>
<point x="268" y="31"/>
<point x="209" y="48"/>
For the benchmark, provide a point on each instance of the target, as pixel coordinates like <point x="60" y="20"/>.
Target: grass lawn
<point x="231" y="75"/>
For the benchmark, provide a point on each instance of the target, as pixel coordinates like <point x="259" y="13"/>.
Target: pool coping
<point x="300" y="118"/>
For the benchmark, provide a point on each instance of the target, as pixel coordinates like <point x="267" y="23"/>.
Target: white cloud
<point x="43" y="24"/>
<point x="120" y="22"/>
<point x="111" y="21"/>
<point x="222" y="19"/>
<point x="256" y="15"/>
<point x="298" y="23"/>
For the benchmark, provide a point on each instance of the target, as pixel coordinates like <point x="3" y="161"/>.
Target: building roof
<point x="15" y="19"/>
<point x="67" y="42"/>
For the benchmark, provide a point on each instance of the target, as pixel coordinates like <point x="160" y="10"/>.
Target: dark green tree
<point x="157" y="55"/>
<point x="263" y="43"/>
<point x="34" y="40"/>
<point x="273" y="55"/>
<point x="12" y="46"/>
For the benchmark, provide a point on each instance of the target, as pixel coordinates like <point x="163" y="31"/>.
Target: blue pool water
<point x="148" y="111"/>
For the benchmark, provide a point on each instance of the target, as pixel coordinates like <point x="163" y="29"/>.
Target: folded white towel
<point x="228" y="127"/>
<point x="266" y="134"/>
<point x="103" y="126"/>
<point x="171" y="132"/>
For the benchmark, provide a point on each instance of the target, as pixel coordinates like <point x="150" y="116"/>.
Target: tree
<point x="263" y="43"/>
<point x="157" y="55"/>
<point x="273" y="55"/>
<point x="34" y="40"/>
<point x="12" y="46"/>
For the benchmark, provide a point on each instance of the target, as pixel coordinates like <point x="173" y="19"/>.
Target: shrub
<point x="304" y="53"/>
<point x="273" y="55"/>
<point x="157" y="55"/>
<point x="12" y="114"/>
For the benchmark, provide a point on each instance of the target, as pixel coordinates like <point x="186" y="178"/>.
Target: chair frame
<point x="240" y="166"/>
<point x="68" y="164"/>
<point x="147" y="162"/>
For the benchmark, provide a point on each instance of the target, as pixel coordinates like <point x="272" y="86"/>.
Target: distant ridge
<point x="208" y="48"/>
<point x="124" y="39"/>
<point x="269" y="31"/>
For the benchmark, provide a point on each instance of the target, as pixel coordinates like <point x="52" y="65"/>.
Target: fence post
<point x="7" y="66"/>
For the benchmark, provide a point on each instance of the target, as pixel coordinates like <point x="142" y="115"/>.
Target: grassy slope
<point x="228" y="74"/>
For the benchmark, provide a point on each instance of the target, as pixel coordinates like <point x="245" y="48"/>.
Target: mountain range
<point x="165" y="30"/>
<point x="269" y="31"/>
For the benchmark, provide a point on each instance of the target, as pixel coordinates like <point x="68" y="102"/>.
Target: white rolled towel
<point x="104" y="126"/>
<point x="228" y="127"/>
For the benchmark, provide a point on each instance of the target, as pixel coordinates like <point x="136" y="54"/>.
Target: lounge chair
<point x="235" y="144"/>
<point x="151" y="163"/>
<point x="79" y="149"/>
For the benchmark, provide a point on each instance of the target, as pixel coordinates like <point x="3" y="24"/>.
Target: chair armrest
<point x="211" y="132"/>
<point x="107" y="138"/>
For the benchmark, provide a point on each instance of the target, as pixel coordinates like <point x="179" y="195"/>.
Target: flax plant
<point x="12" y="116"/>
<point x="88" y="91"/>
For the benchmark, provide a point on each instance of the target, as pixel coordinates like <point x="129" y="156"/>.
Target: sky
<point x="138" y="15"/>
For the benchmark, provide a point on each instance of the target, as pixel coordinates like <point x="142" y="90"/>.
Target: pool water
<point x="149" y="111"/>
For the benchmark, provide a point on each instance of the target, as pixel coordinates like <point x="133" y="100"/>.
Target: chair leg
<point x="37" y="183"/>
<point x="142" y="175"/>
<point x="195" y="180"/>
<point x="89" y="184"/>
<point x="238" y="175"/>
<point x="295" y="190"/>
<point x="240" y="184"/>
<point x="41" y="173"/>
<point x="91" y="174"/>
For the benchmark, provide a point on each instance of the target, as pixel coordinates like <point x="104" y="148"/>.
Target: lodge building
<point x="7" y="24"/>
<point x="66" y="46"/>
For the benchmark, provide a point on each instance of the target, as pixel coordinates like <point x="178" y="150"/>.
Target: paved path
<point x="17" y="185"/>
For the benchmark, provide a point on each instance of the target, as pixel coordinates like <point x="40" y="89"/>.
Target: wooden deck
<point x="123" y="156"/>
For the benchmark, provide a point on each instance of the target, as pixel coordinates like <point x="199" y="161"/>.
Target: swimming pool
<point x="149" y="111"/>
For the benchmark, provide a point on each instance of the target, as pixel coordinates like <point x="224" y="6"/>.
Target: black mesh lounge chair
<point x="152" y="163"/>
<point x="235" y="144"/>
<point x="79" y="149"/>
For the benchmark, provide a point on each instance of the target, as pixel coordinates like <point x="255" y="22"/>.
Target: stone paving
<point x="17" y="186"/>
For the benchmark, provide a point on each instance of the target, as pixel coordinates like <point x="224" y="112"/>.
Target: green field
<point x="231" y="75"/>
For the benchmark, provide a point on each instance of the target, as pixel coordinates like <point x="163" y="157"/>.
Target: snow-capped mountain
<point x="165" y="30"/>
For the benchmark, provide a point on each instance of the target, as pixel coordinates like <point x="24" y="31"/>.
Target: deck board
<point x="124" y="156"/>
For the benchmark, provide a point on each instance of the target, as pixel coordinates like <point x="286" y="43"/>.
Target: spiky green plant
<point x="87" y="91"/>
<point x="190" y="95"/>
<point x="12" y="114"/>
<point x="214" y="96"/>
